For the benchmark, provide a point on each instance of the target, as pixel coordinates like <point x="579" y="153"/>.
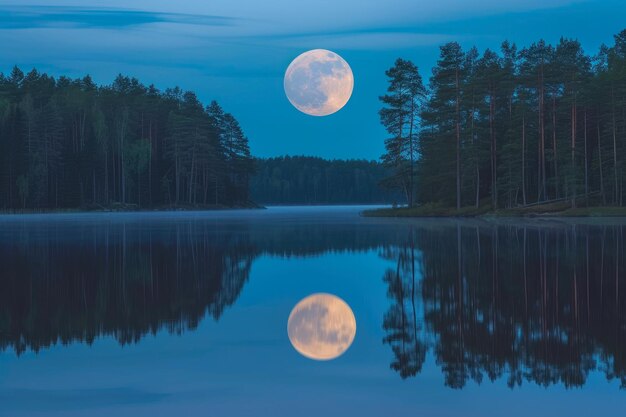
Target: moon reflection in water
<point x="321" y="327"/>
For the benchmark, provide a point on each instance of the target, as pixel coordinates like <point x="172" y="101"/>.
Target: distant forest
<point x="310" y="180"/>
<point x="67" y="143"/>
<point x="519" y="127"/>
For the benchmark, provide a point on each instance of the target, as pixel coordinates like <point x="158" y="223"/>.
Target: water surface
<point x="185" y="313"/>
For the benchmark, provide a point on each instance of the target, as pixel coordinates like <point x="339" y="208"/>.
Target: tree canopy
<point x="68" y="143"/>
<point x="517" y="127"/>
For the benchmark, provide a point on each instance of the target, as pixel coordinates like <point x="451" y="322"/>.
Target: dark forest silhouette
<point x="67" y="143"/>
<point x="523" y="126"/>
<point x="310" y="180"/>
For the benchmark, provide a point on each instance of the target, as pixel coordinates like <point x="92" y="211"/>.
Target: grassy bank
<point x="560" y="209"/>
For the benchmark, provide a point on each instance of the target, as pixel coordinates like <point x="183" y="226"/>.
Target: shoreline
<point x="165" y="209"/>
<point x="426" y="211"/>
<point x="472" y="212"/>
<point x="128" y="209"/>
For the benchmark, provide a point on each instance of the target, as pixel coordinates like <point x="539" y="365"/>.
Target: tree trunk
<point x="106" y="178"/>
<point x="177" y="176"/>
<point x="615" y="155"/>
<point x="477" y="186"/>
<point x="556" y="166"/>
<point x="600" y="162"/>
<point x="494" y="151"/>
<point x="216" y="201"/>
<point x="150" y="164"/>
<point x="586" y="164"/>
<point x="191" y="173"/>
<point x="477" y="156"/>
<point x="458" y="144"/>
<point x="412" y="188"/>
<point x="138" y="187"/>
<point x="573" y="174"/>
<point x="541" y="180"/>
<point x="524" y="158"/>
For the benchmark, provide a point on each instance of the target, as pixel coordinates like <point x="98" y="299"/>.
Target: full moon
<point x="319" y="82"/>
<point x="321" y="327"/>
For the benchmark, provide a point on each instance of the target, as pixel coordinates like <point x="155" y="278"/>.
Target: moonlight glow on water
<point x="319" y="82"/>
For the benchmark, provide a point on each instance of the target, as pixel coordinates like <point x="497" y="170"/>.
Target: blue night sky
<point x="236" y="51"/>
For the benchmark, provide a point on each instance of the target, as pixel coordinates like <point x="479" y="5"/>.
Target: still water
<point x="185" y="314"/>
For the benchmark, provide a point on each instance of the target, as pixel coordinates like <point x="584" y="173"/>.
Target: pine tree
<point x="441" y="122"/>
<point x="400" y="116"/>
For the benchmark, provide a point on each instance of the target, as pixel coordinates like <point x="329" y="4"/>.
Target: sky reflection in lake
<point x="186" y="313"/>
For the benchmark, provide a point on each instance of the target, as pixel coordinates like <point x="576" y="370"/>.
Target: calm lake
<point x="185" y="314"/>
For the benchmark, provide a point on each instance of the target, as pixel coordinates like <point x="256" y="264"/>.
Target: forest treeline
<point x="312" y="180"/>
<point x="68" y="143"/>
<point x="510" y="128"/>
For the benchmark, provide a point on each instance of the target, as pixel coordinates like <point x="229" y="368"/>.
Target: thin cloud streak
<point x="29" y="17"/>
<point x="363" y="41"/>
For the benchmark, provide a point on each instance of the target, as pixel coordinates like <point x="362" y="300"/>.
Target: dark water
<point x="185" y="314"/>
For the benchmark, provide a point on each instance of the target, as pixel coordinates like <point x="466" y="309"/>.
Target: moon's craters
<point x="319" y="82"/>
<point x="321" y="327"/>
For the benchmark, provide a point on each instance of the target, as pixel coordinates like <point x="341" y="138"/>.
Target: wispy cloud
<point x="367" y="39"/>
<point x="27" y="17"/>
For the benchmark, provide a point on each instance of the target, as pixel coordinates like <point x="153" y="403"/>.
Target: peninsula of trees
<point x="525" y="126"/>
<point x="68" y="143"/>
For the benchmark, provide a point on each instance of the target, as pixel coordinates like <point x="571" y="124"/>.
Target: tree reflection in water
<point x="79" y="280"/>
<point x="113" y="281"/>
<point x="519" y="301"/>
<point x="522" y="302"/>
